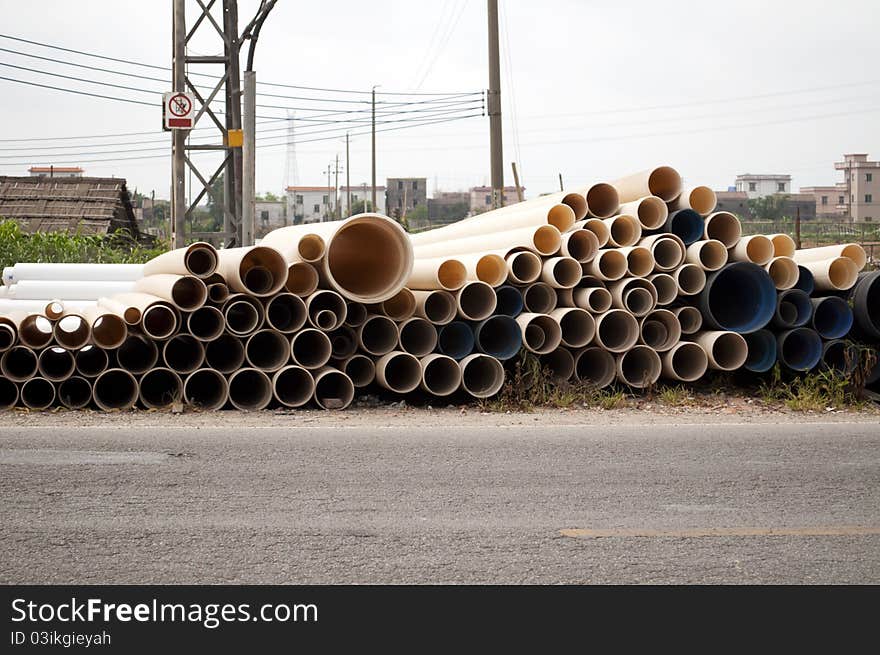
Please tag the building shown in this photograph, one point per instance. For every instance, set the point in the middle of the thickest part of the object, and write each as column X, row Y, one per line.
column 830, row 201
column 88, row 205
column 403, row 194
column 861, row 179
column 55, row 171
column 361, row 194
column 735, row 202
column 758, row 186
column 481, row 197
column 312, row 204
column 269, row 215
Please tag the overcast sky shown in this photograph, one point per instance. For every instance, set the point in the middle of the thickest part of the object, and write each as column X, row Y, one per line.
column 598, row 88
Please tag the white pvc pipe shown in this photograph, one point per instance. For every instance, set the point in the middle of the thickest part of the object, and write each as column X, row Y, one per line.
column 429, row 273
column 594, row 299
column 701, row 199
column 639, row 260
column 74, row 272
column 837, row 274
column 663, row 181
column 198, row 259
column 399, row 307
column 476, row 301
column 437, row 306
column 723, row 226
column 595, row 366
column 690, row 318
column 608, row 264
column 783, row 245
column 710, row 254
column 333, row 389
column 690, row 279
column 623, row 230
column 616, row 330
column 666, row 286
column 580, row 244
column 185, row 292
column 727, row 351
column 539, row 298
column 560, row 363
column 293, row 386
column 685, row 361
column 852, row 251
column 541, row 333
column 523, row 267
column 51, row 289
column 8, row 305
column 756, row 248
column 302, row 279
column 544, row 240
column 784, row 272
column 598, row 227
column 660, row 330
column 206, row 389
column 258, row 270
column 399, row 372
column 668, row 250
column 561, row 272
column 624, row 295
column 650, row 211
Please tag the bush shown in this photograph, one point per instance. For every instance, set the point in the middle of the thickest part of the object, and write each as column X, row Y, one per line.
column 61, row 247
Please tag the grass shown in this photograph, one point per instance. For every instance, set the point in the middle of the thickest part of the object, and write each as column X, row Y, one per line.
column 60, row 247
column 674, row 396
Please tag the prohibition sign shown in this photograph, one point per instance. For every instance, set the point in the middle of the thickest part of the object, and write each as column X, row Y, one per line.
column 180, row 105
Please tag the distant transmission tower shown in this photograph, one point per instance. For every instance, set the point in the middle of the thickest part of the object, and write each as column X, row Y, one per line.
column 291, row 171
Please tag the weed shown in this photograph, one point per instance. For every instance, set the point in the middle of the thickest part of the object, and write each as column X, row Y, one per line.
column 674, row 396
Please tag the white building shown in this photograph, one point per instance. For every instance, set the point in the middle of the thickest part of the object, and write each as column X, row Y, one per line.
column 55, row 171
column 758, row 186
column 269, row 215
column 313, row 204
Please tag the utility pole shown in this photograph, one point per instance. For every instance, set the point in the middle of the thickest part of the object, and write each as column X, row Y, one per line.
column 519, row 193
column 561, row 187
column 232, row 221
column 374, row 148
column 797, row 229
column 493, row 105
column 336, row 212
column 178, row 137
column 329, row 205
column 347, row 179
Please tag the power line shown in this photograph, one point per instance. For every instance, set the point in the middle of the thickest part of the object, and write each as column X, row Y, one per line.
column 442, row 44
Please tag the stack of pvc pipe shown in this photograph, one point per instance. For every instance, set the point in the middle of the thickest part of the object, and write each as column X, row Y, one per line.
column 627, row 282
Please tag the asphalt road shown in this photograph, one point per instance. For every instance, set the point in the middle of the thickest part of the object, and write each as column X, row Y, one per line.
column 728, row 503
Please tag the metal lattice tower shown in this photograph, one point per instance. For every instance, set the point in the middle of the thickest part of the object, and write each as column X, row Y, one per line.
column 291, row 167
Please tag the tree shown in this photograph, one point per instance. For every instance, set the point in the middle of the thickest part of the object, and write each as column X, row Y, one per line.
column 770, row 208
column 268, row 196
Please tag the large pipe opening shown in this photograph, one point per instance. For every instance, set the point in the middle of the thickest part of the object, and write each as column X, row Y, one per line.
column 452, row 274
column 686, row 224
column 293, row 386
column 35, row 331
column 595, row 366
column 740, row 297
column 639, row 261
column 183, row 353
column 509, row 301
column 206, row 323
column 19, row 363
column 539, row 298
column 668, row 252
column 160, row 387
column 343, row 342
column 399, row 372
column 690, row 319
column 799, row 349
column 189, row 293
column 159, row 321
column 727, row 351
column 602, row 200
column 685, row 361
column 491, row 269
column 225, row 354
column 661, row 330
column 75, row 392
column 665, row 183
column 608, row 265
column 456, row 340
column 437, row 306
column 378, row 335
column 560, row 364
column 333, row 389
column 762, row 351
column 418, row 336
column 8, row 394
column 477, row 301
column 581, row 245
column 624, row 230
column 267, row 350
column 109, row 331
column 115, row 389
column 91, row 361
column 302, row 279
column 702, row 200
column 793, row 309
column 360, row 369
column 244, row 315
column 72, row 332
column 8, row 336
column 650, row 211
column 481, row 376
column 561, row 272
column 259, row 270
column 56, row 364
column 206, row 389
column 37, row 394
column 250, row 390
column 667, row 289
column 690, row 279
column 594, row 299
column 218, row 292
column 286, row 313
column 498, row 336
column 639, row 367
column 578, row 327
column 541, row 333
column 326, row 310
column 523, row 267
column 400, row 306
column 546, row 240
column 709, row 255
column 137, row 354
column 616, row 330
column 311, row 348
column 441, row 375
column 355, row 314
column 757, row 249
column 839, row 356
column 598, row 227
column 201, row 260
column 311, row 248
column 724, row 227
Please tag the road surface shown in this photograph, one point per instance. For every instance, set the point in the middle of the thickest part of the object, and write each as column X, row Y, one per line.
column 476, row 500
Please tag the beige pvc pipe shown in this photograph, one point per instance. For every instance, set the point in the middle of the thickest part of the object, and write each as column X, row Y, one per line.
column 429, row 273
column 160, row 387
column 243, row 314
column 581, row 244
column 205, row 324
column 267, row 350
column 625, row 295
column 608, row 265
column 482, row 376
column 639, row 260
column 206, row 389
column 483, row 227
column 597, row 227
column 441, row 375
column 37, row 394
column 837, row 274
column 757, row 249
column 577, row 326
column 8, row 337
column 18, row 364
column 311, row 348
column 663, row 182
column 690, row 279
column 185, row 292
column 130, row 314
column 595, row 366
column 378, row 335
column 851, row 251
column 723, row 226
column 650, row 211
column 115, row 389
column 660, row 330
column 399, row 307
column 727, row 351
column 326, row 309
column 686, row 361
column 666, row 286
column 56, row 364
column 34, row 330
column 639, row 367
column 476, row 301
column 417, row 336
column 603, row 200
column 197, row 259
column 258, row 270
column 399, row 372
column 623, row 230
column 72, row 331
column 437, row 306
column 9, row 394
column 710, row 255
column 360, row 368
column 541, row 333
column 560, row 363
column 225, row 354
column 490, row 268
column 287, row 313
column 302, row 279
column 594, row 299
column 74, row 393
column 690, row 319
column 561, row 272
column 218, row 292
column 544, row 240
column 54, row 310
column 701, row 199
column 250, row 390
column 783, row 245
column 183, row 353
column 356, row 314
column 616, row 330
column 333, row 389
column 668, row 250
column 539, row 298
column 523, row 267
column 293, row 386
column 784, row 272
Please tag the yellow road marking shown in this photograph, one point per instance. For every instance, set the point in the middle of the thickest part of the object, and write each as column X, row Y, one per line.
column 817, row 531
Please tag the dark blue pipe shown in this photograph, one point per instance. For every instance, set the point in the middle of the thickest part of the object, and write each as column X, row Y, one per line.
column 456, row 340
column 832, row 317
column 762, row 351
column 740, row 297
column 510, row 301
column 799, row 349
column 805, row 281
column 793, row 309
column 865, row 296
column 499, row 336
column 685, row 224
column 839, row 355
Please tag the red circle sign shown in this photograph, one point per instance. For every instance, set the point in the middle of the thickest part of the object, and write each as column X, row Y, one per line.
column 180, row 105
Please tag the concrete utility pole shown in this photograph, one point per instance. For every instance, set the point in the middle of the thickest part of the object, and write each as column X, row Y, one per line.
column 374, row 148
column 336, row 212
column 249, row 161
column 347, row 179
column 493, row 105
column 329, row 204
column 178, row 137
column 232, row 220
